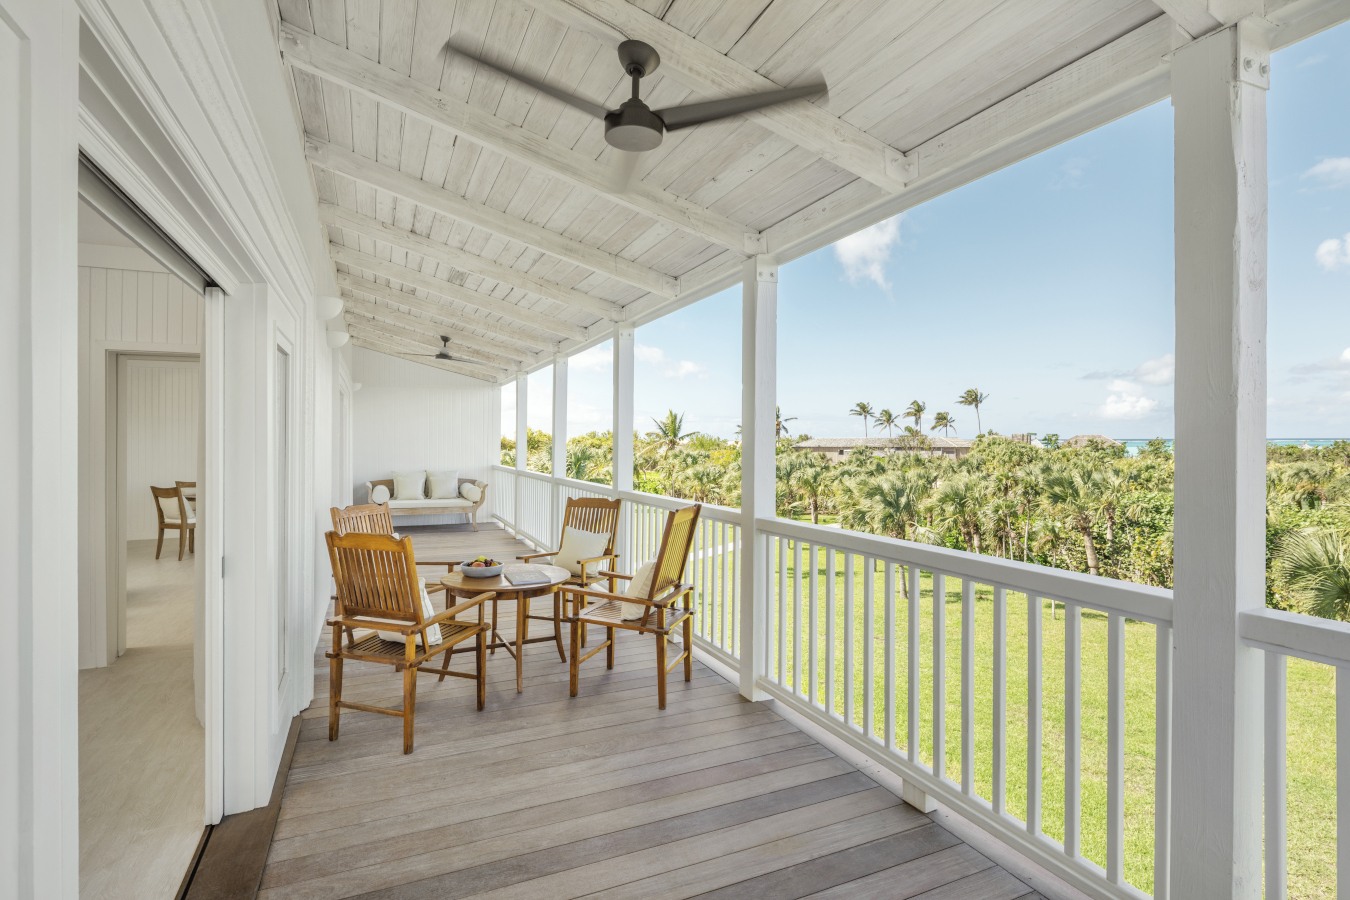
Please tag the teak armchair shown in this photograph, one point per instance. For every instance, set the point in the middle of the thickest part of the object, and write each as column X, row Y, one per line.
column 174, row 516
column 660, row 614
column 377, row 588
column 375, row 518
column 594, row 514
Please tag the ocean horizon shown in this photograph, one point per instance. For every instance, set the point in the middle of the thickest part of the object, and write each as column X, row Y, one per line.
column 1134, row 445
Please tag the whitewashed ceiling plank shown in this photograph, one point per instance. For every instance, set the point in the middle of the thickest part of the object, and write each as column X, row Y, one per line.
column 577, row 52
column 337, row 109
column 394, row 350
column 501, row 45
column 432, row 26
column 837, row 25
column 363, row 28
column 330, row 20
column 309, row 98
column 423, row 333
column 470, row 27
column 774, row 27
column 729, row 23
column 397, row 19
column 538, row 47
column 296, row 12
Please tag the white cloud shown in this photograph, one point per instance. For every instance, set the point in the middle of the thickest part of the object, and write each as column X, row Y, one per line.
column 1345, row 356
column 1071, row 173
column 657, row 359
column 597, row 359
column 1309, row 62
column 1331, row 172
column 1126, row 401
column 1158, row 371
column 864, row 255
column 1334, row 253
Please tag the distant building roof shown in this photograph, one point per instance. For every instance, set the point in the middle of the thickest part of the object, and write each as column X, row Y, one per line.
column 881, row 443
column 1083, row 440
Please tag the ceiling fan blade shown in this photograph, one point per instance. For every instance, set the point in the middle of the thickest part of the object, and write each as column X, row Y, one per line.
column 690, row 114
column 584, row 105
column 622, row 170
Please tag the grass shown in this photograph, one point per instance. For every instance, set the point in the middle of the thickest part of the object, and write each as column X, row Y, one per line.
column 1311, row 709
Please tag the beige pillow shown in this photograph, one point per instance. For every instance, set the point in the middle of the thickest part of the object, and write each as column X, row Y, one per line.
column 410, row 485
column 379, row 494
column 578, row 545
column 442, row 485
column 432, row 634
column 471, row 492
column 640, row 586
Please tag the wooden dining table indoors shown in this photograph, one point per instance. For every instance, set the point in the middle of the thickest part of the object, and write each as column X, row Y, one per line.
column 457, row 584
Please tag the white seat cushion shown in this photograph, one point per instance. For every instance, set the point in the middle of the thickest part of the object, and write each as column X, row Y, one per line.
column 640, row 586
column 443, row 485
column 471, row 492
column 578, row 545
column 395, row 505
column 410, row 485
column 432, row 634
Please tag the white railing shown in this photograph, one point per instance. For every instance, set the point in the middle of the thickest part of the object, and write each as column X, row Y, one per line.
column 900, row 648
column 1313, row 644
column 1044, row 661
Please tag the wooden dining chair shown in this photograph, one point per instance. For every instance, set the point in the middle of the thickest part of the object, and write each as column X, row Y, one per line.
column 665, row 603
column 173, row 515
column 378, row 590
column 591, row 514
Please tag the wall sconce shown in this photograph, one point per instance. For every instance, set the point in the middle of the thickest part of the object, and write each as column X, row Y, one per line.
column 328, row 307
column 337, row 339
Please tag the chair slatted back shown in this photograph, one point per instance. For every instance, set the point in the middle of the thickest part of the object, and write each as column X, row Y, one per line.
column 594, row 514
column 365, row 518
column 165, row 493
column 674, row 552
column 376, row 576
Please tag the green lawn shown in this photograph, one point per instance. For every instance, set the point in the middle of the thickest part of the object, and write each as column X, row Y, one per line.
column 1311, row 712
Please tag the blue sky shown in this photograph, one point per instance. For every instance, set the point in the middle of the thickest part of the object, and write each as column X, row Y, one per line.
column 1048, row 285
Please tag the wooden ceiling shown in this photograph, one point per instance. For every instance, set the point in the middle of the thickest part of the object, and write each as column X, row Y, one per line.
column 458, row 202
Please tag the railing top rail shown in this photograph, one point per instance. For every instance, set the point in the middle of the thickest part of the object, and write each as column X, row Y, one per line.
column 711, row 511
column 1136, row 601
column 1291, row 634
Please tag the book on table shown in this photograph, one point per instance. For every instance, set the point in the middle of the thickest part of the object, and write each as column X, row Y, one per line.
column 522, row 576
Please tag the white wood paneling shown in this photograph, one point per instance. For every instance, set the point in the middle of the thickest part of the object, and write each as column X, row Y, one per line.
column 407, row 416
column 160, row 406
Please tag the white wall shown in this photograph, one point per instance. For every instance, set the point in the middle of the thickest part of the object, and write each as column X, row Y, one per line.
column 141, row 310
column 160, row 410
column 409, row 416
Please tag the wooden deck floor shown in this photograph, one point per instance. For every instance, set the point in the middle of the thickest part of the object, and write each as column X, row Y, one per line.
column 543, row 796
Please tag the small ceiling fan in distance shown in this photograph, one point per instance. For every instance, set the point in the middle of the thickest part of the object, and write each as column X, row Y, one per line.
column 635, row 127
column 444, row 353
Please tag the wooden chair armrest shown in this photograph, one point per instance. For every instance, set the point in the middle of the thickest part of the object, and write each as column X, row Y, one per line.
column 449, row 565
column 598, row 559
column 592, row 592
column 605, row 573
column 529, row 556
column 460, row 607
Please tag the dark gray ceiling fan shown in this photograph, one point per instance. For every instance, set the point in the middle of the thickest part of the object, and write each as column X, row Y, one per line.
column 444, row 353
column 635, row 127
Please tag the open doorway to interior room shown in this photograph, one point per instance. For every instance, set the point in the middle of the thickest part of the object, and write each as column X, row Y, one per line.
column 142, row 744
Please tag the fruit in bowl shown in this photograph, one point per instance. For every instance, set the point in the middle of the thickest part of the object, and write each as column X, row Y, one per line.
column 481, row 567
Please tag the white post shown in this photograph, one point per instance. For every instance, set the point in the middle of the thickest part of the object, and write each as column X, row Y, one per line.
column 623, row 439
column 522, row 442
column 559, row 434
column 1219, row 95
column 759, row 390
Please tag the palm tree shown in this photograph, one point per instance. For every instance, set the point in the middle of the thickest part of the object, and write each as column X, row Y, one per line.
column 888, row 420
column 1076, row 495
column 959, row 503
column 944, row 420
column 669, row 433
column 915, row 411
column 1314, row 564
column 973, row 397
column 780, row 423
column 864, row 411
column 813, row 482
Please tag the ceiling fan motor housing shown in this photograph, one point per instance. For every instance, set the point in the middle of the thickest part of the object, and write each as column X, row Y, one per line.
column 633, row 126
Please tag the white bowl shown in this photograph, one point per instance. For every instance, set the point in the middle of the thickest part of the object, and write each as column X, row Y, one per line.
column 480, row 571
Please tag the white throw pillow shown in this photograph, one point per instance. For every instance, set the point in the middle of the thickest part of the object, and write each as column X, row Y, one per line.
column 410, row 485
column 640, row 586
column 442, row 485
column 433, row 634
column 379, row 494
column 578, row 545
column 471, row 492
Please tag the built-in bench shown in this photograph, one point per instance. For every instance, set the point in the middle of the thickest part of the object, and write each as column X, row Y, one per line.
column 430, row 506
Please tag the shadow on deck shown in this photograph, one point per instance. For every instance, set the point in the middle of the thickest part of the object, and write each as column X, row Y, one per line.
column 541, row 795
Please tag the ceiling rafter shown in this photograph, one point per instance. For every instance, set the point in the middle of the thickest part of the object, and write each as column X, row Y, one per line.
column 345, row 162
column 498, row 334
column 454, row 292
column 1192, row 15
column 416, row 347
column 418, row 333
column 497, row 353
column 389, row 349
column 698, row 66
column 311, row 53
column 469, row 263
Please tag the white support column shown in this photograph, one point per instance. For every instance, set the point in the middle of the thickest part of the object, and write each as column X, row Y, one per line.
column 759, row 396
column 559, row 467
column 1219, row 95
column 522, row 443
column 623, row 408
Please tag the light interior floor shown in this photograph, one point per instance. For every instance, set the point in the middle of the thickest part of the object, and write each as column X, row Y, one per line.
column 604, row 795
column 142, row 750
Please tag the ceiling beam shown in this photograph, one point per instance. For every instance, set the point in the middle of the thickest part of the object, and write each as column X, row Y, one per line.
column 1192, row 15
column 480, row 215
column 388, row 349
column 464, row 261
column 415, row 347
column 505, row 338
column 473, row 299
column 311, row 53
column 459, row 345
column 700, row 67
column 497, row 353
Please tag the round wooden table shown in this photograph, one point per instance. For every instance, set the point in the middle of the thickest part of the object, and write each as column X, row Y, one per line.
column 459, row 585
